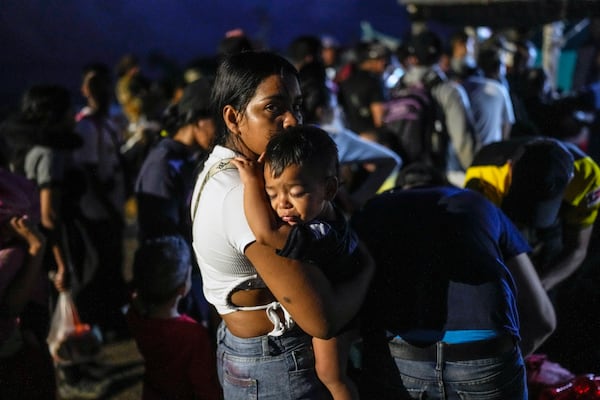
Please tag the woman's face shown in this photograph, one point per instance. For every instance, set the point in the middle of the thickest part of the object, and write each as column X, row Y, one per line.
column 275, row 106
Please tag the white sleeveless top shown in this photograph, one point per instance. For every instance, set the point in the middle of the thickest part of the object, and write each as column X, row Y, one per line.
column 220, row 234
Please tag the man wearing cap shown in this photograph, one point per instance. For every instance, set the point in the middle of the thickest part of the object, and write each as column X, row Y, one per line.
column 444, row 318
column 423, row 53
column 551, row 190
column 362, row 94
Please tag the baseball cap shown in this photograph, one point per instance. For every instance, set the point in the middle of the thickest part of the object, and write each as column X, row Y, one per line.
column 540, row 175
column 371, row 51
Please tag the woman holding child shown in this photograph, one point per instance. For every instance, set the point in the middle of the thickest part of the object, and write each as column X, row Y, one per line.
column 270, row 305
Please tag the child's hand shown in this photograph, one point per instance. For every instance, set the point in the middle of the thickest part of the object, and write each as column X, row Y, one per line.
column 60, row 280
column 251, row 172
column 29, row 232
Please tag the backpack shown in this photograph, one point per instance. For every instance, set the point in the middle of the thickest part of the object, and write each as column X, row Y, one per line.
column 416, row 124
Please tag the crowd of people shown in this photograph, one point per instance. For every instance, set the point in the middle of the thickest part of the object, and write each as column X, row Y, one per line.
column 291, row 241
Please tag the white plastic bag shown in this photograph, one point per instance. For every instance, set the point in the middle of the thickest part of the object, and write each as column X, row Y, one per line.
column 69, row 339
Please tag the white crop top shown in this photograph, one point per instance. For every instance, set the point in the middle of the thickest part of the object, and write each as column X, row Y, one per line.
column 220, row 234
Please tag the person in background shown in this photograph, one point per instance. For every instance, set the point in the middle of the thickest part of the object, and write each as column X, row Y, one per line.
column 455, row 303
column 178, row 355
column 365, row 165
column 102, row 203
column 462, row 55
column 493, row 115
column 26, row 369
column 255, row 95
column 305, row 50
column 165, row 182
column 128, row 70
column 40, row 141
column 299, row 220
column 362, row 94
column 235, row 41
column 551, row 190
column 330, row 54
column 422, row 54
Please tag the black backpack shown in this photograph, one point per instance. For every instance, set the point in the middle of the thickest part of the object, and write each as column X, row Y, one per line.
column 416, row 123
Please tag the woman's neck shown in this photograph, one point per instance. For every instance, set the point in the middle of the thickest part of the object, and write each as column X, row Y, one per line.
column 234, row 143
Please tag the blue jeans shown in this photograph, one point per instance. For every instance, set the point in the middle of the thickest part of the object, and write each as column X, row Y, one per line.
column 499, row 378
column 385, row 377
column 265, row 367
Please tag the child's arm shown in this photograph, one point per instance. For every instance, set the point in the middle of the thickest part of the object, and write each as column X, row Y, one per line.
column 261, row 218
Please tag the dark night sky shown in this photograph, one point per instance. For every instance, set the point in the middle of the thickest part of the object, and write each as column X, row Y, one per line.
column 48, row 41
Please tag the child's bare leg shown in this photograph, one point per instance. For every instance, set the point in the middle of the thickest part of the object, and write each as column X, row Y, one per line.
column 331, row 358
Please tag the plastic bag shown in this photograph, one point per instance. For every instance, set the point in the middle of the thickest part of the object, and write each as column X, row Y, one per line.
column 70, row 340
column 582, row 387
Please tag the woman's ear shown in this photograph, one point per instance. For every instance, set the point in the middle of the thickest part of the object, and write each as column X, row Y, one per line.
column 231, row 118
column 331, row 187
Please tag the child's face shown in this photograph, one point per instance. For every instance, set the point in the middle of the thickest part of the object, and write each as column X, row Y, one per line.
column 297, row 195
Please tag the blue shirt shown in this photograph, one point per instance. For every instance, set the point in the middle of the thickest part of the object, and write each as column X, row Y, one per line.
column 440, row 255
column 163, row 189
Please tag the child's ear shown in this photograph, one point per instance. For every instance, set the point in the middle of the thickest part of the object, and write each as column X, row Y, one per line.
column 331, row 187
column 230, row 116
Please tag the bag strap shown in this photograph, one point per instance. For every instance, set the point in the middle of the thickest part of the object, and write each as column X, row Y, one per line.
column 222, row 165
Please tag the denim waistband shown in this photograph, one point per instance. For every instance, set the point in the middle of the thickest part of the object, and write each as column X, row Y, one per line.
column 476, row 350
column 262, row 345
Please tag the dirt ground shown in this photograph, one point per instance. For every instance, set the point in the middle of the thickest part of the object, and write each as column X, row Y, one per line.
column 122, row 358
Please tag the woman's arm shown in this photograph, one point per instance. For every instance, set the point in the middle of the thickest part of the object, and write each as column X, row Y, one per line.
column 260, row 215
column 319, row 308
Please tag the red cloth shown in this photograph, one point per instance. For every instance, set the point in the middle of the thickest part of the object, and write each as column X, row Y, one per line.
column 179, row 358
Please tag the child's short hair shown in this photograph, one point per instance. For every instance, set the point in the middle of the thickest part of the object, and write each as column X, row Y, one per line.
column 161, row 265
column 305, row 146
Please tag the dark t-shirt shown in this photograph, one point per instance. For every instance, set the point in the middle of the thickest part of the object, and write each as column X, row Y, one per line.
column 328, row 244
column 356, row 94
column 440, row 256
column 163, row 189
